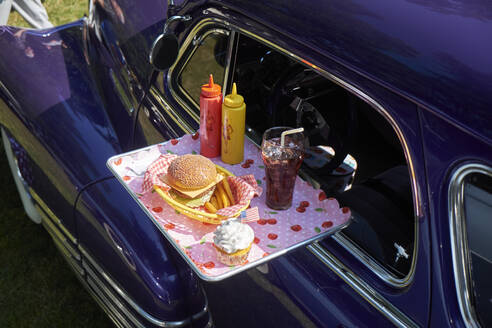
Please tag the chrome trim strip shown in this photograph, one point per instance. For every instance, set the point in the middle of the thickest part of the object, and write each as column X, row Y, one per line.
column 170, row 110
column 350, row 246
column 112, row 316
column 52, row 215
column 105, row 303
column 100, row 287
column 52, row 229
column 397, row 317
column 459, row 242
column 72, row 263
column 91, row 12
column 10, row 97
column 227, row 65
column 99, row 301
column 133, row 304
column 68, row 258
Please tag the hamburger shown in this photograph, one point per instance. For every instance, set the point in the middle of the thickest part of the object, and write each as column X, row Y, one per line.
column 192, row 179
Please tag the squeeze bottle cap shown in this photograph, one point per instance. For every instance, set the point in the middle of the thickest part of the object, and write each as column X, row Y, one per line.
column 211, row 89
column 233, row 99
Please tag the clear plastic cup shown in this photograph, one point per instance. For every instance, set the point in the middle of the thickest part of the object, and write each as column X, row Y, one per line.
column 281, row 166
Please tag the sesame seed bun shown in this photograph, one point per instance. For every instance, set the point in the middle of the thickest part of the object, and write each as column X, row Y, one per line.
column 190, row 172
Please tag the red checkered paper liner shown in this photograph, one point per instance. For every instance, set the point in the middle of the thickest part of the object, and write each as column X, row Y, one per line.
column 243, row 188
column 155, row 171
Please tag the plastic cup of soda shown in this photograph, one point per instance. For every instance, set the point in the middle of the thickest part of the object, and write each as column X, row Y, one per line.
column 282, row 162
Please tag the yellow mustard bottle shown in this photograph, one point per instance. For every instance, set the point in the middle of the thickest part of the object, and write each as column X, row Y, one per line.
column 233, row 122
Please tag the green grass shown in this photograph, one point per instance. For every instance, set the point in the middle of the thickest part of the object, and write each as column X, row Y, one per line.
column 59, row 12
column 37, row 287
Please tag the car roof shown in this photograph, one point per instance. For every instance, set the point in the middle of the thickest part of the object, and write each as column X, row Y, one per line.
column 435, row 53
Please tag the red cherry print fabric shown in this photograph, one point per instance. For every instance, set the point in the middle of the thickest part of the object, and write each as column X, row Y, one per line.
column 301, row 209
column 327, row 224
column 296, row 228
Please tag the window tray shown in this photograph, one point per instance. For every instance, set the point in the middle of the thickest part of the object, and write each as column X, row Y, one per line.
column 276, row 233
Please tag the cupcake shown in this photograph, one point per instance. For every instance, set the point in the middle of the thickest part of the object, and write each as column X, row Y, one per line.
column 232, row 241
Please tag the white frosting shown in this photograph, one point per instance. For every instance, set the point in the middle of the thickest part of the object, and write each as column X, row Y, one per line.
column 233, row 236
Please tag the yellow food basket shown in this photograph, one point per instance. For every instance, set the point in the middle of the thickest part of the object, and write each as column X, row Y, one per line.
column 197, row 214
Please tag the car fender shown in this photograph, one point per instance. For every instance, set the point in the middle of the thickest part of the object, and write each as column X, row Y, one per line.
column 51, row 107
column 50, row 104
column 123, row 249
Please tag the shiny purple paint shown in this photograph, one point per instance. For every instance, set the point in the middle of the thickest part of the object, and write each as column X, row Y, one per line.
column 437, row 53
column 426, row 62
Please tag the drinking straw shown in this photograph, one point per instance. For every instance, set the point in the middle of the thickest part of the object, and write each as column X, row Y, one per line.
column 282, row 136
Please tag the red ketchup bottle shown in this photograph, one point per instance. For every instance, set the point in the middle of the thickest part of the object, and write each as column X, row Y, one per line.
column 210, row 118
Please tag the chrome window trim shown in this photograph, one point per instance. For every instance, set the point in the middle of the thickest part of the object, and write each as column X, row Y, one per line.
column 391, row 312
column 133, row 304
column 196, row 42
column 228, row 60
column 173, row 114
column 346, row 243
column 372, row 264
column 182, row 51
column 459, row 242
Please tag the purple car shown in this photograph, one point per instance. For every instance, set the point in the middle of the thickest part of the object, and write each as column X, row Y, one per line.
column 395, row 97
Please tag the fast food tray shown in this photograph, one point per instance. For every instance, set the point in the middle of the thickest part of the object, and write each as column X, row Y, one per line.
column 276, row 233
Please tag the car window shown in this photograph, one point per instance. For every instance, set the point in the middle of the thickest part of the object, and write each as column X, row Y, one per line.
column 373, row 180
column 478, row 218
column 208, row 58
column 372, row 177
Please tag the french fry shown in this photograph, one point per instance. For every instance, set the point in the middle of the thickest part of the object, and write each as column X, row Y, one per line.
column 213, row 200
column 228, row 191
column 211, row 208
column 223, row 196
column 218, row 198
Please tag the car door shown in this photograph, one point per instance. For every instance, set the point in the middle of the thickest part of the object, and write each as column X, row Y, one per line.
column 368, row 276
column 129, row 267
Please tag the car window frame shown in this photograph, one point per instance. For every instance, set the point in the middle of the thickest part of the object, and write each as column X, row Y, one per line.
column 361, row 255
column 186, row 51
column 459, row 241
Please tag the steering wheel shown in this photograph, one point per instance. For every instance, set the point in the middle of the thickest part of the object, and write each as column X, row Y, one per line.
column 288, row 91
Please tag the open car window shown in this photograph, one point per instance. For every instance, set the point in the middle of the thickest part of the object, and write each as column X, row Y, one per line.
column 353, row 154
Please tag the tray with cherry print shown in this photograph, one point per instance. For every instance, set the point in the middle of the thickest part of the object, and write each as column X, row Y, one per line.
column 312, row 216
